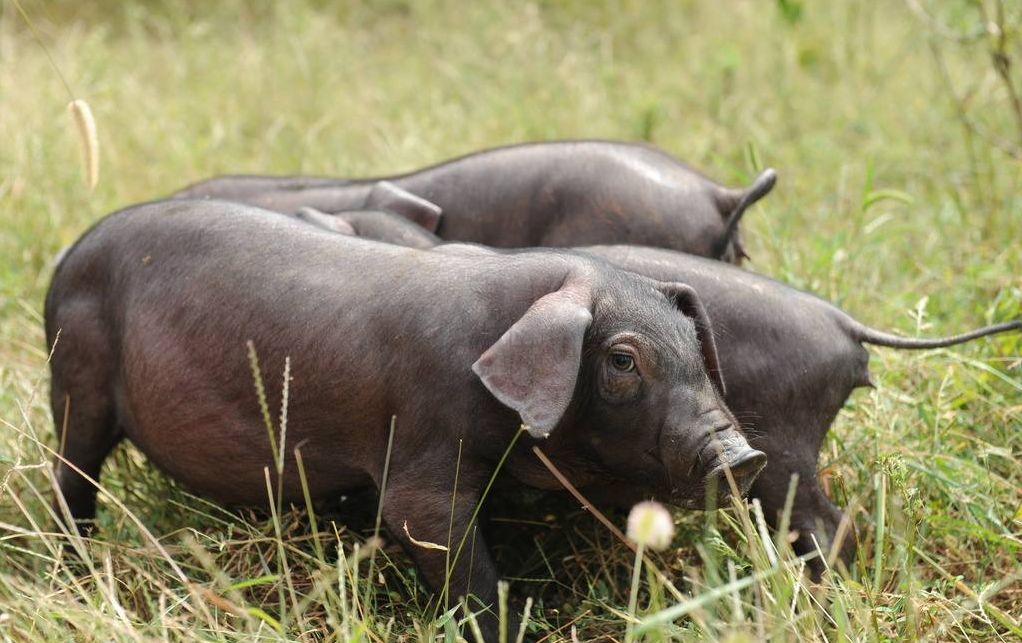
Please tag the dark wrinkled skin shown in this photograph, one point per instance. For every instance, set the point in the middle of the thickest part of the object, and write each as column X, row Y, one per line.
column 555, row 194
column 790, row 360
column 154, row 304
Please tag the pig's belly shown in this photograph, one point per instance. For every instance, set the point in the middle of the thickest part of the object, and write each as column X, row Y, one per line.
column 217, row 451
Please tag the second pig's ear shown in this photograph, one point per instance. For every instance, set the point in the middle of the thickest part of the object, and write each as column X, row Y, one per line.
column 534, row 366
column 387, row 196
column 334, row 223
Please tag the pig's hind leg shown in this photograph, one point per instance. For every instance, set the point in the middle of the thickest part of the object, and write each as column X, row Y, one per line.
column 82, row 401
column 793, row 446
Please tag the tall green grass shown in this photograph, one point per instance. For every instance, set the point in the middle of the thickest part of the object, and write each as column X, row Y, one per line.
column 887, row 204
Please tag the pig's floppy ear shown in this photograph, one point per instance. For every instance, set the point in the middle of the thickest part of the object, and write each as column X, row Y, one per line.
column 389, row 197
column 326, row 221
column 534, row 366
column 688, row 302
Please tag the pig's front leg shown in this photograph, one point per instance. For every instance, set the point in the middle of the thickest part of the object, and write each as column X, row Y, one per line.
column 422, row 501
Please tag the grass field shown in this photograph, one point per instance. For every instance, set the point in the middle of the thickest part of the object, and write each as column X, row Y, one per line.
column 888, row 204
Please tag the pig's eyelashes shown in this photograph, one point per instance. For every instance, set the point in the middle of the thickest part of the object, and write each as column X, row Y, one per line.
column 622, row 362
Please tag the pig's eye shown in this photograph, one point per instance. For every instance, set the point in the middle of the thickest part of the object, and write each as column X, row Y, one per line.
column 622, row 362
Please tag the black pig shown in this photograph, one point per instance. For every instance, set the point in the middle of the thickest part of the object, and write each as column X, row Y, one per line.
column 615, row 373
column 561, row 193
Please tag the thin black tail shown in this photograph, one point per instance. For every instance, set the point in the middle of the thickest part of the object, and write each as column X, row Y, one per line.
column 880, row 338
column 759, row 189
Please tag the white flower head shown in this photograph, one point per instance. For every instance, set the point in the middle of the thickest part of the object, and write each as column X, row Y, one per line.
column 651, row 525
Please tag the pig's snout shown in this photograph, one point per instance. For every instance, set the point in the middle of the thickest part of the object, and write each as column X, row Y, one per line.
column 702, row 463
column 744, row 464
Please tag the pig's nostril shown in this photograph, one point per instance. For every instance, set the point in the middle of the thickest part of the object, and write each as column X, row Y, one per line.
column 744, row 469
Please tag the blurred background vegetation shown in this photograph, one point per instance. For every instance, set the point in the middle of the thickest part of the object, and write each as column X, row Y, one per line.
column 896, row 132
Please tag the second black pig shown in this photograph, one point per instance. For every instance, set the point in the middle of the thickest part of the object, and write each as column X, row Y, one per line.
column 558, row 193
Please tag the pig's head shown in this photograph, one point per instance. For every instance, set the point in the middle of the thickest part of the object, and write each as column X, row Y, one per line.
column 619, row 374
